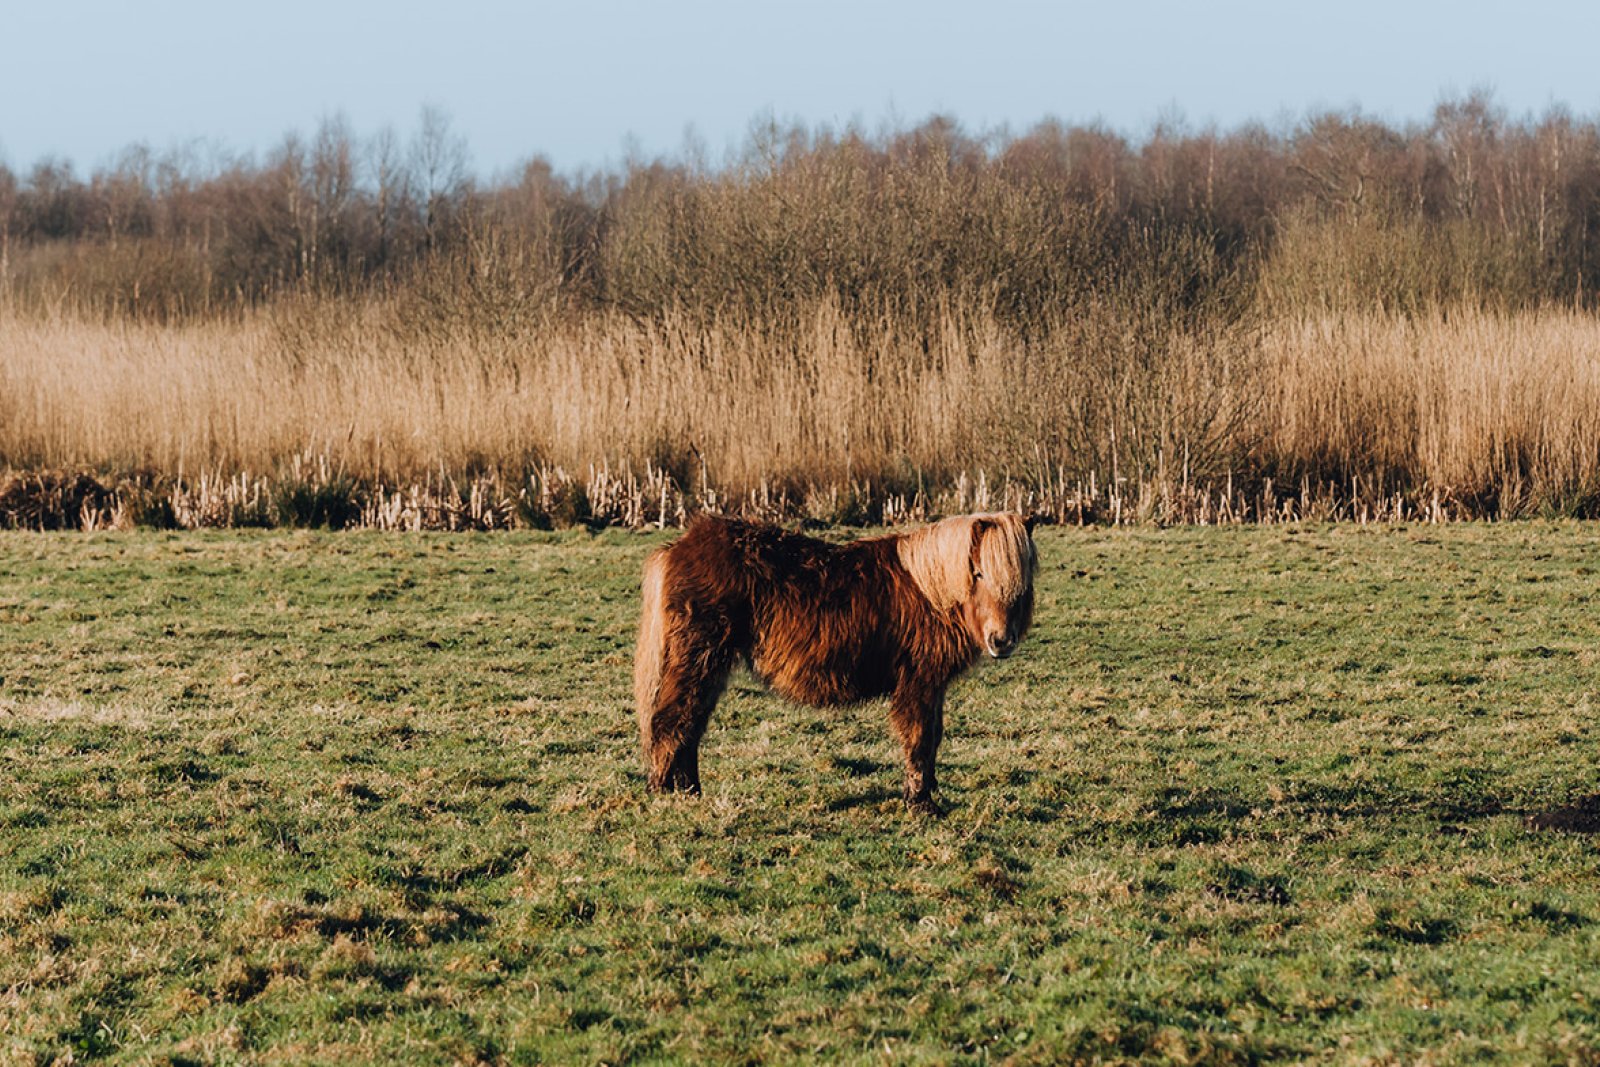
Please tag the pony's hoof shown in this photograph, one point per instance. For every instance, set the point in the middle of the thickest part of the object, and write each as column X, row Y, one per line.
column 925, row 806
column 674, row 787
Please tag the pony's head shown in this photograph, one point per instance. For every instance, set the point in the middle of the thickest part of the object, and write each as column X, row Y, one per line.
column 981, row 566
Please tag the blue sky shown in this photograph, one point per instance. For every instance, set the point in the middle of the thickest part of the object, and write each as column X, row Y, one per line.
column 578, row 82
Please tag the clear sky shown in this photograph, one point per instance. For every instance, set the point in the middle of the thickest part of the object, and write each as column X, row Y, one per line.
column 581, row 80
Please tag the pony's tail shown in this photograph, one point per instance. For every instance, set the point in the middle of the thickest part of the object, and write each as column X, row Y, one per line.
column 651, row 651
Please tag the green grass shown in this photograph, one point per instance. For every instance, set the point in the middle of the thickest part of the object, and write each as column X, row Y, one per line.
column 1244, row 794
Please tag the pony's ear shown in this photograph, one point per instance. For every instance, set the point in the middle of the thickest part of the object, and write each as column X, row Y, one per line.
column 979, row 528
column 1029, row 522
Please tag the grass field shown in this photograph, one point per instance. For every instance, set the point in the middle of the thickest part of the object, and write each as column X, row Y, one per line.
column 1252, row 793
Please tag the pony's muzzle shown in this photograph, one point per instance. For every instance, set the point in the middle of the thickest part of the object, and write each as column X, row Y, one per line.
column 1000, row 645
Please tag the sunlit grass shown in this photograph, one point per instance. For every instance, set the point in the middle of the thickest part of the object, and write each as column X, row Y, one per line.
column 1243, row 794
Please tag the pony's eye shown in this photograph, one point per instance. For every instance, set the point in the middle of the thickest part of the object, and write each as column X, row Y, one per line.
column 977, row 576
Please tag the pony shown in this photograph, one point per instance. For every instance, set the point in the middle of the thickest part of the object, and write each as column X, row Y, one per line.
column 829, row 625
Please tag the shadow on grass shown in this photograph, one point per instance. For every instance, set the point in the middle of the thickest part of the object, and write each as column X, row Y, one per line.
column 1582, row 816
column 1195, row 816
column 871, row 797
column 856, row 767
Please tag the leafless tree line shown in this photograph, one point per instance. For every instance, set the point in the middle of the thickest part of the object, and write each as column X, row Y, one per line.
column 1473, row 204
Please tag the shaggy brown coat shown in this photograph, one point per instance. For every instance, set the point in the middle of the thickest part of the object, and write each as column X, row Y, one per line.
column 824, row 624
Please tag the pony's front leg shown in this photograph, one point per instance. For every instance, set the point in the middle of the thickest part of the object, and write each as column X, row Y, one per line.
column 918, row 718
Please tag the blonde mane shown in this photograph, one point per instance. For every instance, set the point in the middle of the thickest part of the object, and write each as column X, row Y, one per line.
column 938, row 557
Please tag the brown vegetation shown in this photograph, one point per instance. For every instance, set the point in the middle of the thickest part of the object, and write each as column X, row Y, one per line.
column 1342, row 320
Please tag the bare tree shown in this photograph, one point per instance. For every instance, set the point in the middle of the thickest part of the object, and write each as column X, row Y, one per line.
column 8, row 209
column 123, row 192
column 1468, row 132
column 438, row 167
column 332, row 181
column 389, row 187
column 288, row 163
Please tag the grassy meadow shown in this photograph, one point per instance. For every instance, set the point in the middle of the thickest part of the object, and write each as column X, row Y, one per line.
column 1296, row 792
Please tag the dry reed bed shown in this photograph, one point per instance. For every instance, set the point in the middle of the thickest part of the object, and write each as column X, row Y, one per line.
column 605, row 419
column 1492, row 414
column 730, row 404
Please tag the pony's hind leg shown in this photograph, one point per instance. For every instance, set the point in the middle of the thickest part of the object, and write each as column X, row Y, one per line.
column 676, row 730
column 694, row 670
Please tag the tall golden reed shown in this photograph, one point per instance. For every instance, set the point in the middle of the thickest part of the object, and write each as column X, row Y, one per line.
column 1487, row 412
column 1499, row 411
column 732, row 402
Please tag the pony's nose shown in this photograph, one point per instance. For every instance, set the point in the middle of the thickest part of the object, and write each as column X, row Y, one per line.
column 1000, row 645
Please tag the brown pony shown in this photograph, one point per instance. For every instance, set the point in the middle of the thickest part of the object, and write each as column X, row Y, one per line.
column 827, row 625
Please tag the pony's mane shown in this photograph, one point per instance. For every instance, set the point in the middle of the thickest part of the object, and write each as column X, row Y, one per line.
column 938, row 557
